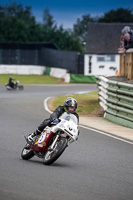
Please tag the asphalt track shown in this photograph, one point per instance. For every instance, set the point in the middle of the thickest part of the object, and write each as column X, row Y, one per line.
column 96, row 167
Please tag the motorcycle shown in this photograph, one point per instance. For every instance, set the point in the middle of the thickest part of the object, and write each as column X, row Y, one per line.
column 53, row 140
column 15, row 86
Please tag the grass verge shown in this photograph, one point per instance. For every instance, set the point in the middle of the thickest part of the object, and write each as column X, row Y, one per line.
column 30, row 79
column 87, row 104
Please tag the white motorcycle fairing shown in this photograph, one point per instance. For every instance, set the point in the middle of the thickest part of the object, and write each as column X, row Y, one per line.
column 69, row 125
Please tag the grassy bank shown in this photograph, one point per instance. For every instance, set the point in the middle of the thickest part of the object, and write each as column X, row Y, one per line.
column 30, row 79
column 87, row 103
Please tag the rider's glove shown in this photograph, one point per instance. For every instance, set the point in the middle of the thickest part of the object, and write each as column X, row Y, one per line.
column 55, row 121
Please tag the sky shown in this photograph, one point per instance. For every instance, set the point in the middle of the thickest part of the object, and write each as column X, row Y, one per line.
column 67, row 12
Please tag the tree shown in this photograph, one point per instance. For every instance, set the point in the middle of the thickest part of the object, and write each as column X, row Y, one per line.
column 64, row 39
column 80, row 28
column 48, row 21
column 119, row 15
column 18, row 25
column 18, row 11
column 67, row 40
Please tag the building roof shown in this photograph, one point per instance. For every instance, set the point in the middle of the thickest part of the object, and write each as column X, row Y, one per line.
column 104, row 38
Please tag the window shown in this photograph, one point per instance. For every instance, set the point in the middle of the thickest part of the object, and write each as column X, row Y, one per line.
column 100, row 59
column 110, row 58
column 106, row 58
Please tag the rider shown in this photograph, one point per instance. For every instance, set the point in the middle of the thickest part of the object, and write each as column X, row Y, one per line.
column 11, row 83
column 70, row 106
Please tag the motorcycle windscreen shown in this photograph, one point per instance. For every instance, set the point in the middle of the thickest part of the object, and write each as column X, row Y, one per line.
column 68, row 117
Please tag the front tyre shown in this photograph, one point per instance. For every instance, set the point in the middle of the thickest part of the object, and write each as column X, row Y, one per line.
column 27, row 153
column 52, row 155
column 21, row 87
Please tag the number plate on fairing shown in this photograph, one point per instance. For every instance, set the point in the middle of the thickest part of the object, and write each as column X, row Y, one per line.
column 42, row 137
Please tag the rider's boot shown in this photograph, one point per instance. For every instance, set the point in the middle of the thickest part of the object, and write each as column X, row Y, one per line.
column 30, row 138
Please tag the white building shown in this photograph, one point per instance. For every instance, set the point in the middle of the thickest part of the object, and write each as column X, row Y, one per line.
column 106, row 65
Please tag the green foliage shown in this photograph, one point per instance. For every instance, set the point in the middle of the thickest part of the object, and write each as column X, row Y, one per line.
column 48, row 19
column 80, row 28
column 17, row 11
column 119, row 15
column 18, row 25
column 66, row 40
column 16, row 30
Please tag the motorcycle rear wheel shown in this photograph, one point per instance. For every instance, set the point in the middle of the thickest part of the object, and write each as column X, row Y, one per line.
column 27, row 153
column 52, row 155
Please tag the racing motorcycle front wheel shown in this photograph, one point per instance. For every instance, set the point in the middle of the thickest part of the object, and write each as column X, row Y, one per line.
column 53, row 154
column 21, row 87
column 27, row 153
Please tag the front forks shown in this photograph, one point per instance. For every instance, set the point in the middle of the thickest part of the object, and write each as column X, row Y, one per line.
column 52, row 146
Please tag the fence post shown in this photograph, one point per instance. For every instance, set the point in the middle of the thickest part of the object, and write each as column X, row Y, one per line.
column 130, row 64
column 122, row 64
column 126, row 64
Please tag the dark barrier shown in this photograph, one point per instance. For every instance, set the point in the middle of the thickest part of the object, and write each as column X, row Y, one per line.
column 44, row 54
column 61, row 59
